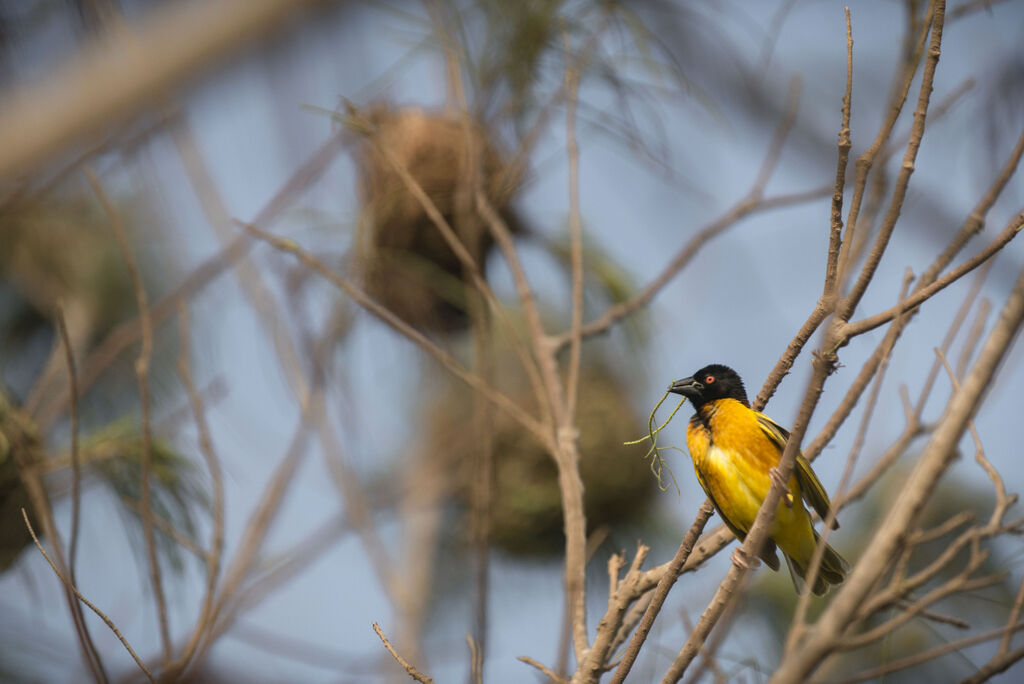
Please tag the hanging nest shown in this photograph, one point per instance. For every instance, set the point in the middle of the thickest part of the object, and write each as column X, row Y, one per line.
column 404, row 260
column 59, row 250
column 525, row 505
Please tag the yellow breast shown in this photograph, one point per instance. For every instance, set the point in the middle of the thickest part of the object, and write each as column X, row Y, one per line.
column 732, row 456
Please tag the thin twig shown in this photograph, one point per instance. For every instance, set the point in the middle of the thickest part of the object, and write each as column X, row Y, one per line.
column 543, row 668
column 1018, row 604
column 835, row 240
column 81, row 627
column 661, row 593
column 866, row 160
column 572, row 79
column 753, row 202
column 215, row 554
column 917, row 298
column 413, row 672
column 129, row 332
column 142, row 372
column 71, row 587
column 849, row 303
column 932, row 653
column 446, row 360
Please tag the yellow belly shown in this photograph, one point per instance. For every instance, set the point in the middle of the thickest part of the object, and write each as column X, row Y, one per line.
column 733, row 467
column 738, row 484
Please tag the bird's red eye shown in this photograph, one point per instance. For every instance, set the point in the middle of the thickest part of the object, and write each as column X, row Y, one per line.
column 709, row 380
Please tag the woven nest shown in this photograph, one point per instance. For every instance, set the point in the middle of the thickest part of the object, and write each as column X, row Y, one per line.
column 406, row 264
column 525, row 507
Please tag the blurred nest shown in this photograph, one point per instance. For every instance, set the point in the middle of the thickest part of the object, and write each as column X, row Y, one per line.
column 62, row 250
column 59, row 250
column 405, row 262
column 525, row 505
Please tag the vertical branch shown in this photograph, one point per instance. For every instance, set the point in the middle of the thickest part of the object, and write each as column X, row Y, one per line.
column 572, row 82
column 76, row 463
column 835, row 239
column 142, row 372
column 826, row 302
column 214, row 555
column 885, row 349
column 661, row 593
column 564, row 445
column 483, row 486
column 92, row 656
column 849, row 303
column 1018, row 604
column 866, row 160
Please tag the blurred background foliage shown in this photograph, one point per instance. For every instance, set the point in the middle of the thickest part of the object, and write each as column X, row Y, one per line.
column 656, row 76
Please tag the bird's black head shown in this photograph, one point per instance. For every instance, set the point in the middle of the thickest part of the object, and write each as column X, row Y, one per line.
column 709, row 383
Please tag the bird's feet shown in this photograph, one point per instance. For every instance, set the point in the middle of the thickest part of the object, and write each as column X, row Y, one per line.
column 741, row 560
column 776, row 478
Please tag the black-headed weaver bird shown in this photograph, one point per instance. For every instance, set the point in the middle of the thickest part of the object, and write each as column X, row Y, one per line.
column 735, row 451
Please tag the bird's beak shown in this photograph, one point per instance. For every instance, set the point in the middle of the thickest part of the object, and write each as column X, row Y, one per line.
column 688, row 387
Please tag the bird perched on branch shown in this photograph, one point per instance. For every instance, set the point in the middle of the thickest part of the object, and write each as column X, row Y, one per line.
column 735, row 451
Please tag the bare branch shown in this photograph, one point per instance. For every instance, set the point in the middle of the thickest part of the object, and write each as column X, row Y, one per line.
column 471, row 379
column 129, row 332
column 215, row 554
column 82, row 629
column 67, row 583
column 661, row 593
column 413, row 672
column 572, row 80
column 921, row 295
column 753, row 202
column 126, row 73
column 142, row 371
column 934, row 460
column 932, row 653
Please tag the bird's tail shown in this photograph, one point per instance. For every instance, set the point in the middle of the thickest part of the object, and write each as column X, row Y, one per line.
column 832, row 570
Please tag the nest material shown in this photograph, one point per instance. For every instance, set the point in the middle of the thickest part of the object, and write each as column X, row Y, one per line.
column 19, row 448
column 526, row 508
column 406, row 263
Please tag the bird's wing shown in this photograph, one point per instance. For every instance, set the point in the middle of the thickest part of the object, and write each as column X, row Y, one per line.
column 810, row 486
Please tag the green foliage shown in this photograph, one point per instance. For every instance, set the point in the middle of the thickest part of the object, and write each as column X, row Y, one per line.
column 115, row 453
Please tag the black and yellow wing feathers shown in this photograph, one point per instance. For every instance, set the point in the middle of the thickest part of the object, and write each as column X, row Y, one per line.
column 810, row 486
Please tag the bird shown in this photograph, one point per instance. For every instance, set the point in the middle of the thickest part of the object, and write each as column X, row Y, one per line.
column 735, row 452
